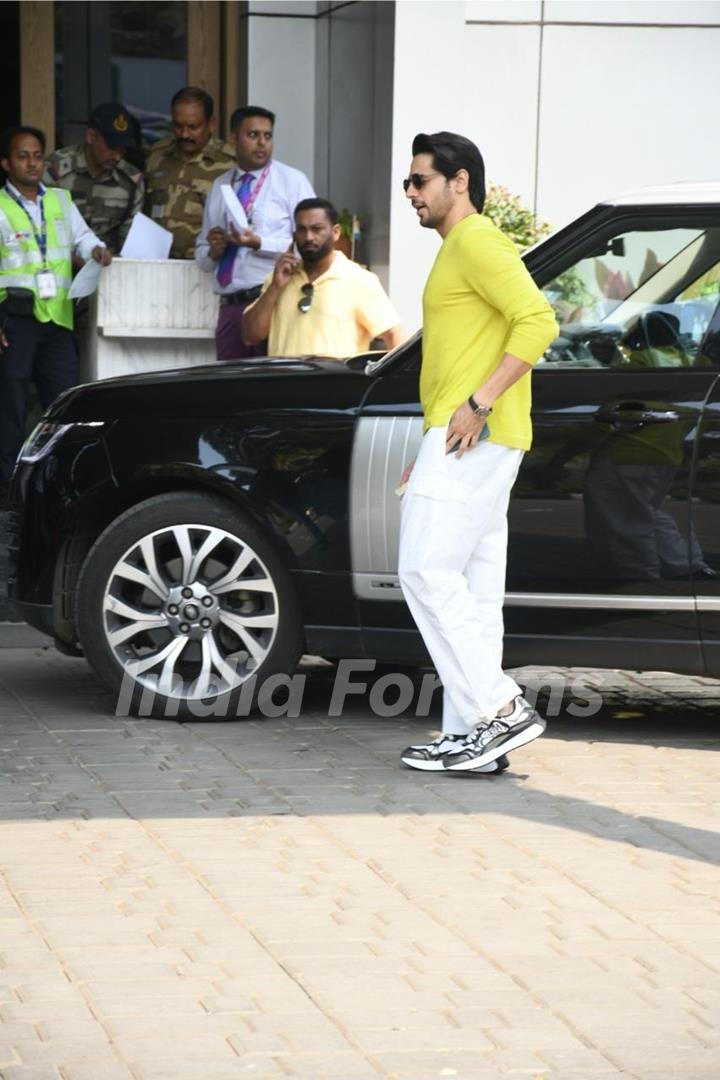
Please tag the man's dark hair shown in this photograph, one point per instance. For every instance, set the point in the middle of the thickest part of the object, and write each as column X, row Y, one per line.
column 250, row 110
column 450, row 153
column 7, row 136
column 193, row 95
column 318, row 204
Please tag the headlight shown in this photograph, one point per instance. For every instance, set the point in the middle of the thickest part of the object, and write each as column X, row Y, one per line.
column 46, row 435
column 41, row 441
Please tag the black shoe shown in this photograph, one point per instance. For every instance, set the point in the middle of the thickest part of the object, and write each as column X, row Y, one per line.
column 706, row 573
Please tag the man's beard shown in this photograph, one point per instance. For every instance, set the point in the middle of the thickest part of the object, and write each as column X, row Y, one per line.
column 434, row 218
column 310, row 255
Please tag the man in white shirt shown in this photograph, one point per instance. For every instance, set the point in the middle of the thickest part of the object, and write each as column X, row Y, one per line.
column 40, row 231
column 241, row 258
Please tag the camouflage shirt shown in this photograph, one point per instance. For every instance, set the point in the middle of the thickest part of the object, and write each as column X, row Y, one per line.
column 178, row 188
column 108, row 202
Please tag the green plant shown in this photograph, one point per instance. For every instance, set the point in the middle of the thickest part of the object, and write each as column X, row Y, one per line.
column 570, row 287
column 505, row 210
column 345, row 221
column 512, row 218
column 569, row 295
column 350, row 224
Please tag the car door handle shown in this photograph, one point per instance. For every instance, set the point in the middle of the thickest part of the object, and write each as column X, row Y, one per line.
column 634, row 414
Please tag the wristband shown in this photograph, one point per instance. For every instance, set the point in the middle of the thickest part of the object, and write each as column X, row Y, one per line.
column 479, row 410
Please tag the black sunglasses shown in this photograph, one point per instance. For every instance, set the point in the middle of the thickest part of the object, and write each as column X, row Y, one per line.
column 305, row 301
column 417, row 180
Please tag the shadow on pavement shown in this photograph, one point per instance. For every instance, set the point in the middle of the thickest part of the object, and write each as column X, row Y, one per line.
column 629, row 708
column 65, row 755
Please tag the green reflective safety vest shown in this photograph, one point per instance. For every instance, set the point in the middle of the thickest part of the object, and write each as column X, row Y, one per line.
column 21, row 258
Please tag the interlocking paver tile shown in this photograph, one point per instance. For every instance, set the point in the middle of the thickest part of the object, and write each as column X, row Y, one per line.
column 279, row 899
column 30, row 1072
column 88, row 1070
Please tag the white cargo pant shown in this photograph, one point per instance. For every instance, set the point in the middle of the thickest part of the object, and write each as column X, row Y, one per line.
column 453, row 551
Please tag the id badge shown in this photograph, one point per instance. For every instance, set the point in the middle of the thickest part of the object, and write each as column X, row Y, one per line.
column 47, row 286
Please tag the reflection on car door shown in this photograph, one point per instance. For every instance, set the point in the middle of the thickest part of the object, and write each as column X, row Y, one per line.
column 705, row 512
column 602, row 546
column 599, row 540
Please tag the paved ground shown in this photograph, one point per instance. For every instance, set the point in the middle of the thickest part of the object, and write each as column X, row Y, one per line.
column 278, row 899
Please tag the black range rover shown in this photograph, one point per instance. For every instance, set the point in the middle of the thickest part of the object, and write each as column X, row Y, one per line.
column 189, row 530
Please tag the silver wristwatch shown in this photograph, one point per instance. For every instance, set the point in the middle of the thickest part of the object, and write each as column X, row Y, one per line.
column 479, row 410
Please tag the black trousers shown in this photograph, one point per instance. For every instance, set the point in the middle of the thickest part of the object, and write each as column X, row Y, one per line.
column 42, row 353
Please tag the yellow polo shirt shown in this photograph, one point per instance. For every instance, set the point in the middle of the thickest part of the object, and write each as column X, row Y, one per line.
column 349, row 308
column 480, row 303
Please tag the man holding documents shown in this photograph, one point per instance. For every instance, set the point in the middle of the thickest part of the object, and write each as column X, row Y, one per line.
column 40, row 231
column 247, row 225
column 180, row 170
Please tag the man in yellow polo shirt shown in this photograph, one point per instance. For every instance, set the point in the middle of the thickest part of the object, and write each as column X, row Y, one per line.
column 321, row 304
column 485, row 323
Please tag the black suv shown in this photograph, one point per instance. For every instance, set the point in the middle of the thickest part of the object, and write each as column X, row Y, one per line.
column 192, row 529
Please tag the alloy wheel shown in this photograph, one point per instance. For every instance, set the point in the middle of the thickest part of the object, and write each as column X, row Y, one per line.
column 190, row 611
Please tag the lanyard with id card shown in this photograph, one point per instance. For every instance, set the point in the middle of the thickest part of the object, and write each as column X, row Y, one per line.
column 45, row 278
column 46, row 285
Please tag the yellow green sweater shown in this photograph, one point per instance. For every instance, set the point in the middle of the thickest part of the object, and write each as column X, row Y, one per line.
column 480, row 303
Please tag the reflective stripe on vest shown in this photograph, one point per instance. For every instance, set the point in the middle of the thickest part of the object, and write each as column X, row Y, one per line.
column 21, row 259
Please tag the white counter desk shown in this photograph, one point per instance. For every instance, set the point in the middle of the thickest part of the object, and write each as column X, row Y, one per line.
column 149, row 316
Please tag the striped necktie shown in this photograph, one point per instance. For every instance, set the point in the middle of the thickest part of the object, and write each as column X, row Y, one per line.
column 225, row 268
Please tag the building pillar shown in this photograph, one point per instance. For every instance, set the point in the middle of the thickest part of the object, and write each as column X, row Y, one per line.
column 234, row 67
column 204, row 49
column 37, row 67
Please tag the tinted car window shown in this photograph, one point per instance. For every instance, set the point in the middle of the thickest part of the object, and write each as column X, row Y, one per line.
column 643, row 298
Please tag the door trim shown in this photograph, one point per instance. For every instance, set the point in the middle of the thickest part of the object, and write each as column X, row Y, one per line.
column 370, row 586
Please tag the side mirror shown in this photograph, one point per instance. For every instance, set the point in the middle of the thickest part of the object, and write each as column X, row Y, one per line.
column 616, row 246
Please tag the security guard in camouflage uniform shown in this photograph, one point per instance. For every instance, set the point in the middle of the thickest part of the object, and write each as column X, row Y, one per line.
column 181, row 170
column 107, row 191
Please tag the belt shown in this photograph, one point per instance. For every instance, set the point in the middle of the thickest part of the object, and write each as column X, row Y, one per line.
column 242, row 296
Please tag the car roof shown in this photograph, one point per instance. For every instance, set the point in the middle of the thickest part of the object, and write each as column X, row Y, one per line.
column 687, row 193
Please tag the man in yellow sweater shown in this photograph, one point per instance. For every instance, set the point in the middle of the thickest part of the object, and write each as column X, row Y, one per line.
column 485, row 323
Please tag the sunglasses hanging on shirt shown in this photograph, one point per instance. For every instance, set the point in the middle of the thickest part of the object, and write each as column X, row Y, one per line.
column 305, row 301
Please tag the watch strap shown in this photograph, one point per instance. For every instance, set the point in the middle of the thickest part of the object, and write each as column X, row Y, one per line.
column 478, row 409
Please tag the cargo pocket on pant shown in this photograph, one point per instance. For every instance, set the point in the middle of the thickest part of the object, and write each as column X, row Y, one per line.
column 442, row 486
column 446, row 490
column 441, row 476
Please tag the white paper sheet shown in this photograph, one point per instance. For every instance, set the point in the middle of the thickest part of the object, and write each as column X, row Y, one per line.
column 86, row 280
column 234, row 207
column 146, row 240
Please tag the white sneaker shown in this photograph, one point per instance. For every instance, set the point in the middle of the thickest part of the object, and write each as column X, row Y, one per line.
column 487, row 744
column 430, row 756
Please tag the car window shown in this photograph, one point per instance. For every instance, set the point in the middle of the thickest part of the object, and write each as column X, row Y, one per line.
column 639, row 299
column 405, row 357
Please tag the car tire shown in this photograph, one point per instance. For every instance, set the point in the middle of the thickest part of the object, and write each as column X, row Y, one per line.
column 184, row 609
